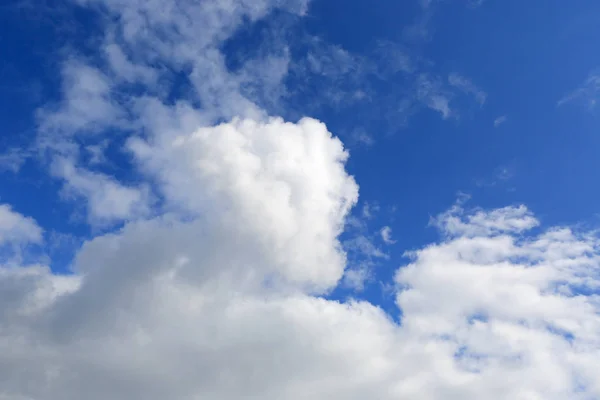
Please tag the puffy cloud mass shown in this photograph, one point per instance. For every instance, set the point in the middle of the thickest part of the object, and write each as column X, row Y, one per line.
column 215, row 283
column 16, row 228
column 216, row 299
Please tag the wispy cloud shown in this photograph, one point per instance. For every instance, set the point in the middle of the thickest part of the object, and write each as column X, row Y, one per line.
column 587, row 93
column 439, row 96
column 501, row 175
column 13, row 159
column 500, row 120
column 386, row 235
column 432, row 93
column 475, row 3
column 465, row 85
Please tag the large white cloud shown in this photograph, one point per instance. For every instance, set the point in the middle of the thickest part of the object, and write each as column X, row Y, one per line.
column 213, row 299
column 213, row 287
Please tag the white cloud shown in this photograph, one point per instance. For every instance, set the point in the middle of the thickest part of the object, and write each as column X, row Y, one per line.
column 466, row 86
column 361, row 137
column 356, row 278
column 87, row 106
column 386, row 235
column 365, row 247
column 369, row 210
column 124, row 68
column 500, row 177
column 152, row 313
column 431, row 93
column 107, row 200
column 513, row 311
column 475, row 3
column 16, row 228
column 218, row 294
column 500, row 120
column 439, row 96
column 152, row 44
column 586, row 93
column 13, row 159
column 508, row 219
column 18, row 235
column 440, row 103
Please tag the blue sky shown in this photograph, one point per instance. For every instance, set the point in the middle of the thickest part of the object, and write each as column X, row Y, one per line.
column 525, row 58
column 138, row 138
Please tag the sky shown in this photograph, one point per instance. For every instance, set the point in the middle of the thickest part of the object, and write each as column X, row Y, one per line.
column 327, row 199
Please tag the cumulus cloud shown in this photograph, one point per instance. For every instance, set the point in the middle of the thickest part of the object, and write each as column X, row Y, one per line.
column 181, row 309
column 519, row 314
column 257, row 175
column 216, row 284
column 507, row 219
column 149, row 52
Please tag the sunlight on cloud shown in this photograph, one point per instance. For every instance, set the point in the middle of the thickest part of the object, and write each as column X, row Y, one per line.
column 167, row 308
column 16, row 228
column 216, row 282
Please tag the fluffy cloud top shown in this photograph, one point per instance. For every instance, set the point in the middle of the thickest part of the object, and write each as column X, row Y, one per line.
column 215, row 283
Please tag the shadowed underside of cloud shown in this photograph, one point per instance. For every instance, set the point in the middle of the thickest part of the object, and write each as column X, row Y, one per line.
column 215, row 284
column 220, row 306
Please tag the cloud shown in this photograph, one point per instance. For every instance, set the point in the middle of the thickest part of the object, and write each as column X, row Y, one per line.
column 13, row 160
column 151, row 57
column 363, row 255
column 587, row 93
column 16, row 228
column 107, row 200
column 512, row 219
column 504, row 172
column 356, row 278
column 18, row 235
column 369, row 210
column 434, row 93
column 365, row 247
column 386, row 235
column 500, row 120
column 500, row 177
column 512, row 309
column 466, row 86
column 87, row 104
column 219, row 289
column 123, row 68
column 152, row 313
column 256, row 175
column 475, row 3
column 361, row 137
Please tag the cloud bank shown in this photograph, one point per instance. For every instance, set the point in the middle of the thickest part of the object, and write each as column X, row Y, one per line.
column 210, row 276
column 224, row 306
